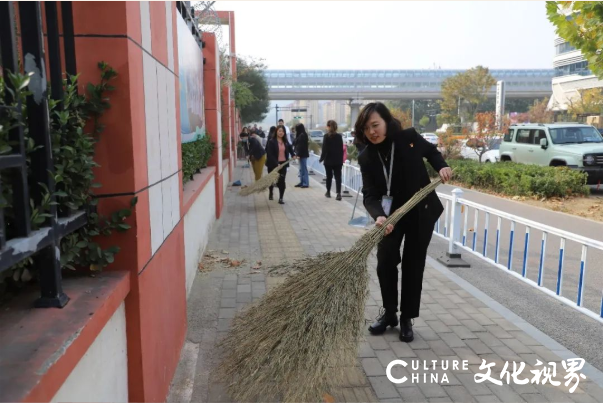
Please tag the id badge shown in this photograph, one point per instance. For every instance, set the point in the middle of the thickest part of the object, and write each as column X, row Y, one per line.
column 386, row 203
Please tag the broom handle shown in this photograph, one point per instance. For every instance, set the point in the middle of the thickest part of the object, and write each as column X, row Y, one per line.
column 375, row 235
column 420, row 195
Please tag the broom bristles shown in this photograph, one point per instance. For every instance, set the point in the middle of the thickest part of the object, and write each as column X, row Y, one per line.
column 295, row 342
column 264, row 182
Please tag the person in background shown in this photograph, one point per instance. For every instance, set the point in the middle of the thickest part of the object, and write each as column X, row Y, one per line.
column 244, row 137
column 271, row 134
column 257, row 155
column 278, row 150
column 393, row 171
column 332, row 155
column 301, row 150
column 281, row 122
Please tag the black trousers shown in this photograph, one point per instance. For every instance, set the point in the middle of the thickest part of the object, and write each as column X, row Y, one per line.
column 333, row 170
column 413, row 266
column 281, row 185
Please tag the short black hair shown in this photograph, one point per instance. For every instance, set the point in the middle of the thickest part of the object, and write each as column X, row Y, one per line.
column 393, row 124
column 281, row 120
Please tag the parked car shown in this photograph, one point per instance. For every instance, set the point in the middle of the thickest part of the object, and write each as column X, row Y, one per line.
column 577, row 146
column 348, row 138
column 493, row 154
column 316, row 136
column 431, row 137
column 472, row 152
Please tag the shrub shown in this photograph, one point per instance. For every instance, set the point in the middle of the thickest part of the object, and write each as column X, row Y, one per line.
column 513, row 179
column 225, row 145
column 195, row 156
column 313, row 146
column 352, row 153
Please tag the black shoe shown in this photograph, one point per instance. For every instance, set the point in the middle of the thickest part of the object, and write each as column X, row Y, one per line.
column 406, row 333
column 328, row 194
column 338, row 196
column 299, row 185
column 385, row 319
column 270, row 197
column 280, row 201
column 305, row 187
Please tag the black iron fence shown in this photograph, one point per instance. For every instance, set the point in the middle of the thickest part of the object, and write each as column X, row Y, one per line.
column 187, row 12
column 21, row 242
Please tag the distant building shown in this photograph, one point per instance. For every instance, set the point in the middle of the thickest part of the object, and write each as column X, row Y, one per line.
column 571, row 74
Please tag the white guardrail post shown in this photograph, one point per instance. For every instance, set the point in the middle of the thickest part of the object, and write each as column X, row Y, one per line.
column 345, row 177
column 452, row 258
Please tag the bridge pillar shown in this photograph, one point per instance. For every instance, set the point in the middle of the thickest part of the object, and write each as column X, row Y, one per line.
column 355, row 110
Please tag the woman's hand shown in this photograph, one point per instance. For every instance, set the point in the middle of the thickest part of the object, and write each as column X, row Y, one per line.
column 446, row 174
column 379, row 223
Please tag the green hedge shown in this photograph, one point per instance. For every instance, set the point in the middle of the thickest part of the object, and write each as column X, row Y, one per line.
column 352, row 153
column 513, row 179
column 195, row 156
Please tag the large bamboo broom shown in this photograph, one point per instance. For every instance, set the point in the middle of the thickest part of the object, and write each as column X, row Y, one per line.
column 293, row 344
column 264, row 182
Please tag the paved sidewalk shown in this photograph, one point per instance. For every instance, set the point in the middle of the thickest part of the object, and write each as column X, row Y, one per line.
column 454, row 324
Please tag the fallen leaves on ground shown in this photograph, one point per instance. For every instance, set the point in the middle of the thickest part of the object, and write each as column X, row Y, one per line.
column 210, row 260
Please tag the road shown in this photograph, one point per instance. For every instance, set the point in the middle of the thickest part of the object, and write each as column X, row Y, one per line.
column 573, row 224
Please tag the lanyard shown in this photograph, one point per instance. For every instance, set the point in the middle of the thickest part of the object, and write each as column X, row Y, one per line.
column 388, row 178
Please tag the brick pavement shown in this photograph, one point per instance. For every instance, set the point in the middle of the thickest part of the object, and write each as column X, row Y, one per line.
column 454, row 325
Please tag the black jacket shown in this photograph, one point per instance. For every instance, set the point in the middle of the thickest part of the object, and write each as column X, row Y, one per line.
column 255, row 148
column 272, row 152
column 301, row 145
column 332, row 150
column 409, row 176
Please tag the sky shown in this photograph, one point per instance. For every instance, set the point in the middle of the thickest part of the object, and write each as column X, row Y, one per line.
column 392, row 34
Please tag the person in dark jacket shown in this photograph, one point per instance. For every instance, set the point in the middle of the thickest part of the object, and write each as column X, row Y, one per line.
column 278, row 150
column 332, row 155
column 244, row 138
column 393, row 171
column 301, row 150
column 257, row 155
column 271, row 132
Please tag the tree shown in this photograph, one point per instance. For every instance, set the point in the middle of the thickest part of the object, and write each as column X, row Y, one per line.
column 465, row 91
column 485, row 135
column 423, row 107
column 251, row 90
column 538, row 113
column 424, row 121
column 580, row 23
column 450, row 146
column 405, row 117
column 588, row 102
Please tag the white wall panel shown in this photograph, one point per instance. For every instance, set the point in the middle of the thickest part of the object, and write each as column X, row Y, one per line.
column 156, row 217
column 197, row 226
column 170, row 34
column 149, row 66
column 166, row 193
column 145, row 25
column 101, row 375
column 163, row 122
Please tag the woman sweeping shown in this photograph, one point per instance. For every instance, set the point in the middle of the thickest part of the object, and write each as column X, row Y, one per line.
column 392, row 172
column 278, row 150
column 257, row 155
